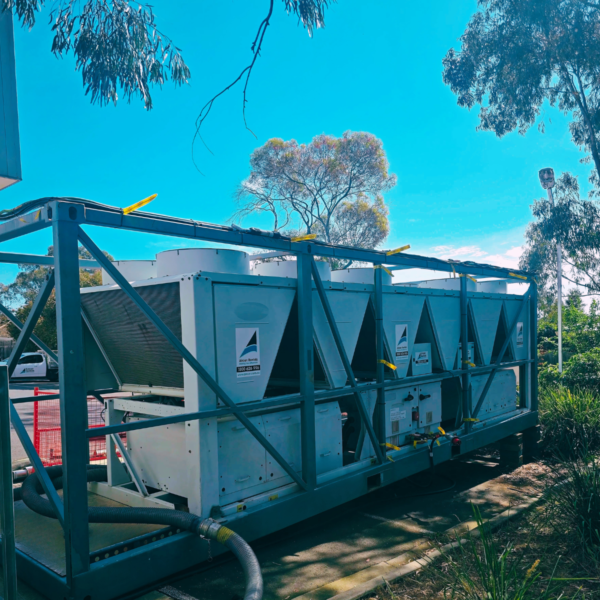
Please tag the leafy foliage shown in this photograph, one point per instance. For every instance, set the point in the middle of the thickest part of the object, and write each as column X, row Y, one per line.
column 514, row 56
column 573, row 222
column 26, row 287
column 116, row 45
column 574, row 504
column 570, row 421
column 332, row 186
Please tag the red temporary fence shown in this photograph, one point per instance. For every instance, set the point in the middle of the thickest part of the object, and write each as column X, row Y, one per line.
column 47, row 431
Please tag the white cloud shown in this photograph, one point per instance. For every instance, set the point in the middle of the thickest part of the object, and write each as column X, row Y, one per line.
column 452, row 252
column 508, row 259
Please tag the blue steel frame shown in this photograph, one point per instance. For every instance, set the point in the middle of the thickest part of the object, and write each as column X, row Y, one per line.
column 144, row 567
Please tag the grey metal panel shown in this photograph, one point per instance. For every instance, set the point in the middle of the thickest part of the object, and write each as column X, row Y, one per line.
column 501, row 397
column 519, row 339
column 430, row 405
column 98, row 375
column 399, row 406
column 349, row 311
column 10, row 153
column 398, row 310
column 328, row 433
column 283, row 431
column 242, row 460
column 158, row 454
column 241, row 307
column 445, row 314
column 486, row 314
column 136, row 349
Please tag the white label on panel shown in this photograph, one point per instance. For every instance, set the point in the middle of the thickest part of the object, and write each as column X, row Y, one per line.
column 422, row 357
column 401, row 343
column 247, row 350
column 395, row 413
column 519, row 335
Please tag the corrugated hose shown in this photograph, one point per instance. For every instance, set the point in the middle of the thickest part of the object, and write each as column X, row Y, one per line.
column 31, row 494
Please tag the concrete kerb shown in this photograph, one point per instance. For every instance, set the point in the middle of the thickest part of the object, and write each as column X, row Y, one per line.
column 355, row 586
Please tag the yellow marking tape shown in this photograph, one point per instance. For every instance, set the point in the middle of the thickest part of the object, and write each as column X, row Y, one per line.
column 139, row 204
column 224, row 534
column 388, row 364
column 471, row 278
column 401, row 249
column 240, row 508
column 273, row 497
column 305, row 238
column 441, row 431
column 438, row 442
column 518, row 276
column 387, row 445
column 385, row 269
column 390, row 459
column 471, row 420
column 468, row 362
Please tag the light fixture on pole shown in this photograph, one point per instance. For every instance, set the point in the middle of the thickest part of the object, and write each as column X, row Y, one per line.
column 547, row 181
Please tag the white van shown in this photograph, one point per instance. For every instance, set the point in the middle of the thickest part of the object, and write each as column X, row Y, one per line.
column 35, row 365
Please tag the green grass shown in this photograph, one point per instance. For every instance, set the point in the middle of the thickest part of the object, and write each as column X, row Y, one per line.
column 570, row 421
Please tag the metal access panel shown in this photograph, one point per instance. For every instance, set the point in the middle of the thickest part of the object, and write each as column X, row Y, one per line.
column 501, row 397
column 485, row 313
column 10, row 152
column 348, row 308
column 158, row 453
column 520, row 333
column 401, row 316
column 399, row 407
column 242, row 460
column 328, row 432
column 283, row 430
column 430, row 406
column 445, row 316
column 421, row 359
column 249, row 321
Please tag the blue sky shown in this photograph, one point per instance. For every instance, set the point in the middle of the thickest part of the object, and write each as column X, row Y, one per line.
column 375, row 67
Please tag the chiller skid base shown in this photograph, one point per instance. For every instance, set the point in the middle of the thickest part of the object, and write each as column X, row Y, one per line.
column 260, row 399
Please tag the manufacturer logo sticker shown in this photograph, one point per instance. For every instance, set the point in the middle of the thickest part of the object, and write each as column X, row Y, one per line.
column 519, row 335
column 401, row 343
column 422, row 357
column 247, row 350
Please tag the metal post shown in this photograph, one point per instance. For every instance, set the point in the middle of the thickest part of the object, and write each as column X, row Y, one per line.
column 558, row 290
column 7, row 522
column 73, row 396
column 379, row 345
column 464, row 334
column 307, row 378
column 533, row 317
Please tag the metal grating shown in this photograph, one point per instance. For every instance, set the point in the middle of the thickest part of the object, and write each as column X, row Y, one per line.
column 137, row 350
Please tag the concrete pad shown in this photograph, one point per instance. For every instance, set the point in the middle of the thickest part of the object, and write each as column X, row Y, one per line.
column 343, row 548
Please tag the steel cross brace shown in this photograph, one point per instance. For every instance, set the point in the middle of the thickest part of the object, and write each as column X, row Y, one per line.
column 364, row 415
column 498, row 362
column 186, row 354
column 27, row 328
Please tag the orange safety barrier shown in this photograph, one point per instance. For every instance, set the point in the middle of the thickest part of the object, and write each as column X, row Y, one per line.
column 47, row 430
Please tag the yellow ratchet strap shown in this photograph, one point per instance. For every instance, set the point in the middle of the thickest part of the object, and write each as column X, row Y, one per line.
column 387, row 445
column 468, row 362
column 471, row 420
column 384, row 268
column 401, row 249
column 305, row 238
column 518, row 276
column 441, row 431
column 139, row 204
column 388, row 364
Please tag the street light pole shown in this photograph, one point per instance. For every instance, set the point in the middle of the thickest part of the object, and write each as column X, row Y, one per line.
column 547, row 181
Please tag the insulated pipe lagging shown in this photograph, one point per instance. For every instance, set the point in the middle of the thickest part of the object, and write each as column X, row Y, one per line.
column 31, row 494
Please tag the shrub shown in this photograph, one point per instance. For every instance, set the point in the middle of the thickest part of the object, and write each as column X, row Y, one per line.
column 583, row 371
column 574, row 505
column 570, row 421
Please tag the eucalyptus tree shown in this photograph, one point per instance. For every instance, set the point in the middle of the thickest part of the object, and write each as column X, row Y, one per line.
column 514, row 56
column 332, row 187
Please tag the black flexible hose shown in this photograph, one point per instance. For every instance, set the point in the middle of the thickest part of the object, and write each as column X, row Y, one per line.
column 31, row 494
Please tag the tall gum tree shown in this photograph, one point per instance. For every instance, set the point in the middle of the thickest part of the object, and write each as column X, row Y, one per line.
column 513, row 56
